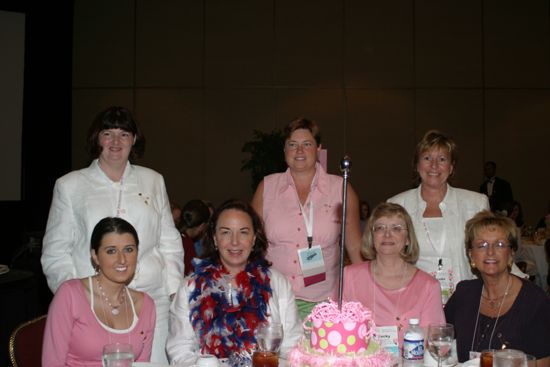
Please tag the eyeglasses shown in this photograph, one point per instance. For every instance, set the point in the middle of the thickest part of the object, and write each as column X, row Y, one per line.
column 394, row 229
column 484, row 246
column 294, row 145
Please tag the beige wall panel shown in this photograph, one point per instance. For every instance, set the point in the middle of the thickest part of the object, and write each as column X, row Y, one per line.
column 176, row 141
column 169, row 43
column 309, row 45
column 517, row 52
column 379, row 43
column 325, row 106
column 87, row 103
column 229, row 120
column 380, row 142
column 448, row 44
column 517, row 139
column 103, row 43
column 239, row 43
column 458, row 113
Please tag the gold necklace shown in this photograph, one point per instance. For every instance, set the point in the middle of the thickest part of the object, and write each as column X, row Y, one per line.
column 493, row 302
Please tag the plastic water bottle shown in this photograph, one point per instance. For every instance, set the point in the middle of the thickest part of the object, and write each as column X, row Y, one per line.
column 413, row 344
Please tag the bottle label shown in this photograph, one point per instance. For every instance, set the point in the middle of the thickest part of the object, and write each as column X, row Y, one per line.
column 413, row 350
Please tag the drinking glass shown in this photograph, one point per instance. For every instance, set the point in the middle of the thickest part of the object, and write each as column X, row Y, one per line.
column 269, row 338
column 118, row 355
column 440, row 341
column 486, row 358
column 509, row 358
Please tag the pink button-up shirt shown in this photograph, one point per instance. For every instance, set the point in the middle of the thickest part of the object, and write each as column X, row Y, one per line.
column 286, row 230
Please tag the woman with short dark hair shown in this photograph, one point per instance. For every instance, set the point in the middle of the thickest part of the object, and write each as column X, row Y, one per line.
column 113, row 186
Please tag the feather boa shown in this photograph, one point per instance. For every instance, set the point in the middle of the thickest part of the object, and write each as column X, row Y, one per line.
column 226, row 327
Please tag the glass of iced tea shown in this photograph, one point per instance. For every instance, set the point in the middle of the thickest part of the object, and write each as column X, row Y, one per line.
column 486, row 358
column 269, row 338
column 509, row 358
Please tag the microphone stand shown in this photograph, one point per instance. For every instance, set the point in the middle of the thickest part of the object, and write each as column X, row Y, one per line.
column 345, row 166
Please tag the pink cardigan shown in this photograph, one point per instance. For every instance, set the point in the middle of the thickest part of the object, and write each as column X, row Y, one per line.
column 420, row 298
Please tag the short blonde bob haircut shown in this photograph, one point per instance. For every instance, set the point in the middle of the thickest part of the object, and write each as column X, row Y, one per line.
column 410, row 251
column 487, row 219
column 434, row 139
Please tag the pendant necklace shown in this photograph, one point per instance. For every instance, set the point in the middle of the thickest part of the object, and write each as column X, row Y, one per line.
column 114, row 314
column 122, row 298
column 498, row 314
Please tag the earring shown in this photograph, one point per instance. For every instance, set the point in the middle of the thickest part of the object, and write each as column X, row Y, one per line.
column 473, row 265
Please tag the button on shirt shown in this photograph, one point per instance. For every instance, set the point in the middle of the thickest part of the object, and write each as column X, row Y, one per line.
column 286, row 230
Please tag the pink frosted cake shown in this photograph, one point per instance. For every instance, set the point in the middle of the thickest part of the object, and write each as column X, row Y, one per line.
column 341, row 338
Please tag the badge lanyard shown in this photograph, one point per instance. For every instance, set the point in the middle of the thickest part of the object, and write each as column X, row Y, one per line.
column 432, row 244
column 308, row 221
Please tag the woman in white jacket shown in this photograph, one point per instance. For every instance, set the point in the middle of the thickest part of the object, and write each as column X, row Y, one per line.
column 231, row 293
column 112, row 186
column 439, row 212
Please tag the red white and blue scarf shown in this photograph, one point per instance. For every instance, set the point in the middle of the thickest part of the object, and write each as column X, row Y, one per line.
column 227, row 327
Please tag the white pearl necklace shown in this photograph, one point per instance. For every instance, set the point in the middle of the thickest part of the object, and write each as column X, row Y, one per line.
column 114, row 309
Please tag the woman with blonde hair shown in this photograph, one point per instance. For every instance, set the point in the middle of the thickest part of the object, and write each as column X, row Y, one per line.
column 389, row 283
column 498, row 310
column 439, row 211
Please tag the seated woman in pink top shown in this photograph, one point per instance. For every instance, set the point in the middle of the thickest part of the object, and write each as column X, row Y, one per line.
column 88, row 313
column 390, row 284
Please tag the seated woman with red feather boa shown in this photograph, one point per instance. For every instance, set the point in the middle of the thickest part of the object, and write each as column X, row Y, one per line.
column 231, row 293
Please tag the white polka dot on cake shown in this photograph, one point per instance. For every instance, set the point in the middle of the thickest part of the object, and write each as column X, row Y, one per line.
column 349, row 325
column 334, row 338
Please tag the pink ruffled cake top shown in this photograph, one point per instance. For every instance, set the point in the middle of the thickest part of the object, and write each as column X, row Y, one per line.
column 351, row 312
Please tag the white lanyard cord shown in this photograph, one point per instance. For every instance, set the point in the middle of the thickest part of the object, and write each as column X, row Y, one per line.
column 441, row 241
column 308, row 221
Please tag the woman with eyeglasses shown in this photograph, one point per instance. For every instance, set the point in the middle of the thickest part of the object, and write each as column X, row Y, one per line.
column 498, row 310
column 439, row 211
column 301, row 209
column 389, row 283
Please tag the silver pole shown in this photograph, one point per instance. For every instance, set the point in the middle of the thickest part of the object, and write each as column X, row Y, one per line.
column 345, row 166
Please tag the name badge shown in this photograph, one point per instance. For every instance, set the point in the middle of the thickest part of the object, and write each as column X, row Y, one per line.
column 312, row 264
column 444, row 275
column 388, row 339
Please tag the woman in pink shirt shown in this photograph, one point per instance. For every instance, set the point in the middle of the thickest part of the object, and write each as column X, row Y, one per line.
column 88, row 313
column 301, row 209
column 390, row 284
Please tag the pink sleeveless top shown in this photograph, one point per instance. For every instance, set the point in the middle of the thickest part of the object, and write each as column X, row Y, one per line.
column 286, row 230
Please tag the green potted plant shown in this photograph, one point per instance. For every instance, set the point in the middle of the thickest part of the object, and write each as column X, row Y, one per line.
column 266, row 155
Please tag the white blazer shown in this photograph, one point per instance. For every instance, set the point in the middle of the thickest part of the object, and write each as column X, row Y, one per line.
column 457, row 207
column 183, row 343
column 82, row 198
